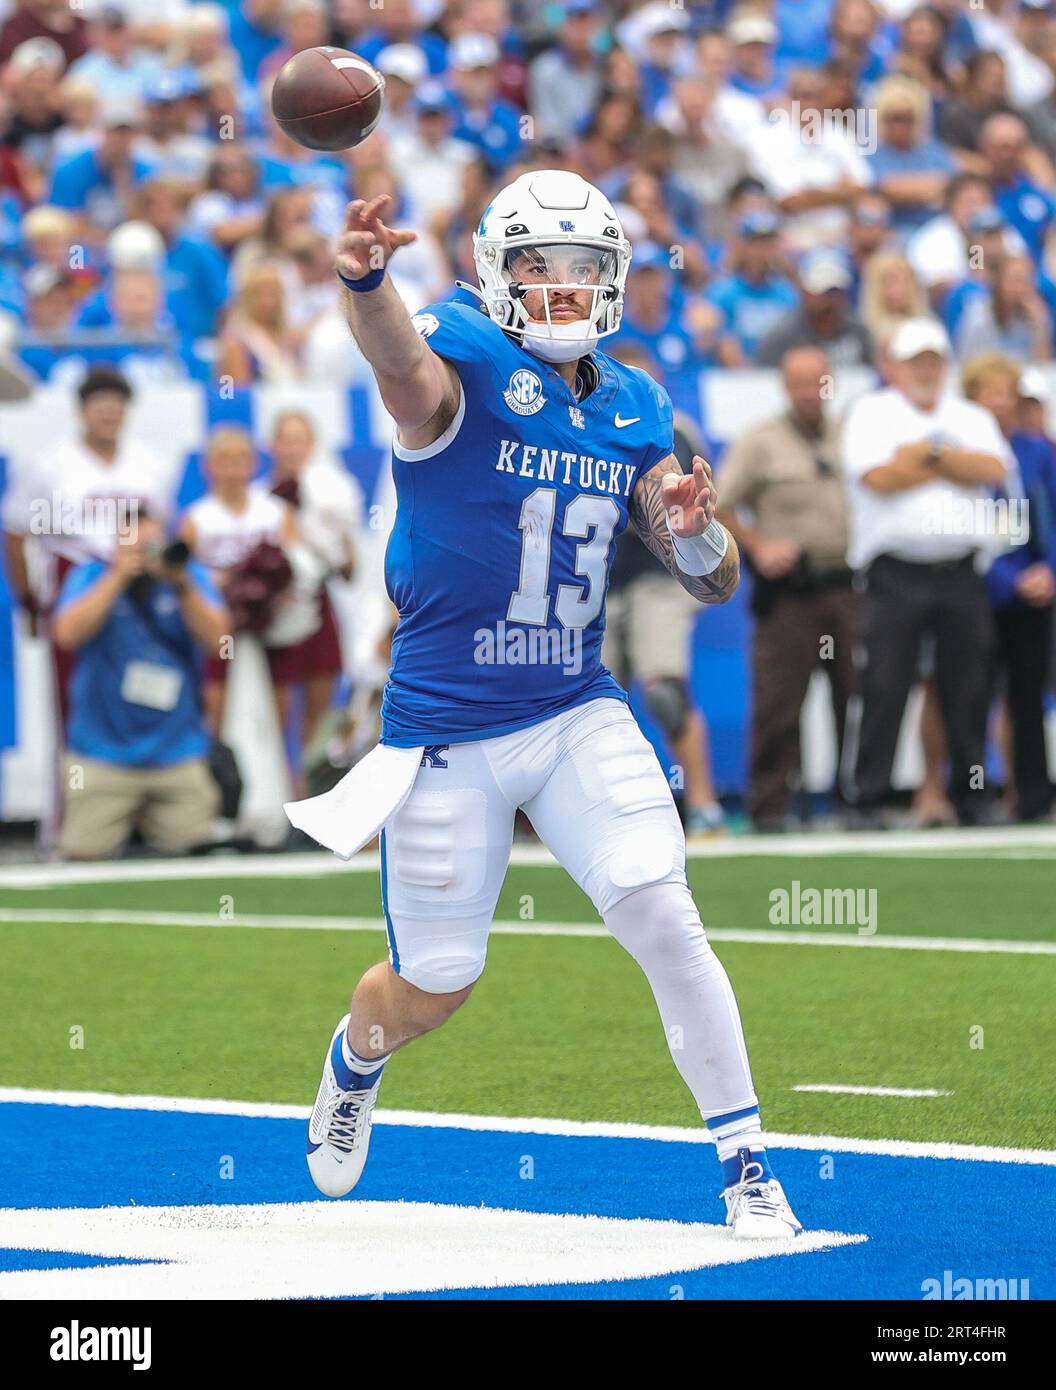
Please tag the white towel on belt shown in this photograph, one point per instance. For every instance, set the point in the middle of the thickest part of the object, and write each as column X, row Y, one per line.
column 350, row 814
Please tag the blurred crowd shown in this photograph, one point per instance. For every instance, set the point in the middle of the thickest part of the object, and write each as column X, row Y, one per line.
column 823, row 168
column 810, row 185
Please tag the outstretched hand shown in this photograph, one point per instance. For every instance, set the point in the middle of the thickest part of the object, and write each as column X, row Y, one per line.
column 690, row 499
column 366, row 244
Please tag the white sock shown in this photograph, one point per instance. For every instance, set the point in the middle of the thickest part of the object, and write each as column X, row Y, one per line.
column 362, row 1066
column 744, row 1131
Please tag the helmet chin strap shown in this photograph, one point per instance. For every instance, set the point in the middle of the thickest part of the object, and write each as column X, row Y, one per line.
column 552, row 345
column 557, row 349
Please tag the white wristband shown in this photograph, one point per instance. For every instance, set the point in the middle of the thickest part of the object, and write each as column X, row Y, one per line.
column 700, row 555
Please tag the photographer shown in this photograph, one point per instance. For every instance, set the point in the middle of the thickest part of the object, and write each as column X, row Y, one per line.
column 137, row 743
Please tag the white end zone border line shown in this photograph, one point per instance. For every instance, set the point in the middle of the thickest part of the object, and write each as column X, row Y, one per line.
column 597, row 1129
column 746, row 936
column 1008, row 842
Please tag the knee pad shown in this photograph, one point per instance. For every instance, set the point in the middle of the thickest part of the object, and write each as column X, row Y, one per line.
column 442, row 963
column 652, row 854
column 661, row 927
column 437, row 891
column 667, row 701
column 631, row 834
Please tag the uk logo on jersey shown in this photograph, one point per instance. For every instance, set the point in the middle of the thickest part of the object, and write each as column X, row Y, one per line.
column 426, row 324
column 524, row 395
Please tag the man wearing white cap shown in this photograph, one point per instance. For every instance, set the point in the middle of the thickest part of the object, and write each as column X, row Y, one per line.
column 404, row 66
column 481, row 117
column 752, row 37
column 918, row 464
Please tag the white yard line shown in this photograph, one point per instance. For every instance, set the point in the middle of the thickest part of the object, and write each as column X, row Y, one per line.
column 744, row 936
column 505, row 1124
column 901, row 1092
column 1027, row 841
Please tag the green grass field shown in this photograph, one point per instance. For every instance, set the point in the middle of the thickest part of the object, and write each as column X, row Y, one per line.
column 559, row 1026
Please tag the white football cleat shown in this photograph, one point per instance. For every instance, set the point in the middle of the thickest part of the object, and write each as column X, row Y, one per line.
column 339, row 1128
column 757, row 1208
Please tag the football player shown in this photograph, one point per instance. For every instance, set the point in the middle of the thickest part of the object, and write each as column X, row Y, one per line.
column 521, row 452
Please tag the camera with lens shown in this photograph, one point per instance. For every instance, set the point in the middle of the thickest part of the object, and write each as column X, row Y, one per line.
column 173, row 556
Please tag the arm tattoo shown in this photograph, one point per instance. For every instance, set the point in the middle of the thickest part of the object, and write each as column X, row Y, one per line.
column 649, row 516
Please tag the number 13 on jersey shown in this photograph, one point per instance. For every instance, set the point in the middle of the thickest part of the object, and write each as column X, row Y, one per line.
column 577, row 605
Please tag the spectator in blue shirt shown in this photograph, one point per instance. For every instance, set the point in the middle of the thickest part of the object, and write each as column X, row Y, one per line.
column 174, row 142
column 987, row 235
column 803, row 30
column 1021, row 582
column 399, row 22
column 1004, row 142
column 194, row 271
column 481, row 118
column 909, row 166
column 96, row 182
column 657, row 317
column 757, row 292
column 660, row 50
column 116, row 66
column 856, row 39
column 1008, row 317
column 232, row 207
column 49, row 306
column 284, row 164
column 255, row 30
column 137, row 742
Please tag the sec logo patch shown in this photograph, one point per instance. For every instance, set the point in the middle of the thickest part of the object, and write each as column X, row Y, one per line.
column 524, row 395
column 426, row 324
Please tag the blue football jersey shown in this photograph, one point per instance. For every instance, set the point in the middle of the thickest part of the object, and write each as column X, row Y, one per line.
column 505, row 530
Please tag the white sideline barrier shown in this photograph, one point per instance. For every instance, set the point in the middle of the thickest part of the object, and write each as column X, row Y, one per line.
column 171, row 417
column 737, row 401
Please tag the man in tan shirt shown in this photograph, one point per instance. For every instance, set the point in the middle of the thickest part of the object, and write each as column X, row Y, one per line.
column 785, row 475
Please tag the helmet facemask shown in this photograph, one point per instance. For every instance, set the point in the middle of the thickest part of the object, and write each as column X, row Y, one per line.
column 531, row 285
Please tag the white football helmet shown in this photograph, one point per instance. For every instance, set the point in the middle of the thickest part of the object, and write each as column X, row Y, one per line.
column 552, row 230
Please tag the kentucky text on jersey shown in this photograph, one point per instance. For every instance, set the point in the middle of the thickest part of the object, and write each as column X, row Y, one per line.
column 505, row 531
column 582, row 470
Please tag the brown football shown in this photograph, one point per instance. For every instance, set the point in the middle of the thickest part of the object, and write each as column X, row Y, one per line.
column 327, row 98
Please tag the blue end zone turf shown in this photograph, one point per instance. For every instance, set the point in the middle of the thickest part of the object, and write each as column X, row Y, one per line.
column 922, row 1216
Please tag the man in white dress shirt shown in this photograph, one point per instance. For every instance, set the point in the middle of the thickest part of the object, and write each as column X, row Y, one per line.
column 921, row 468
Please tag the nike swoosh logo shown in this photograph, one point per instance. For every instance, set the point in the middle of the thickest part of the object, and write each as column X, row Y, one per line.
column 621, row 422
